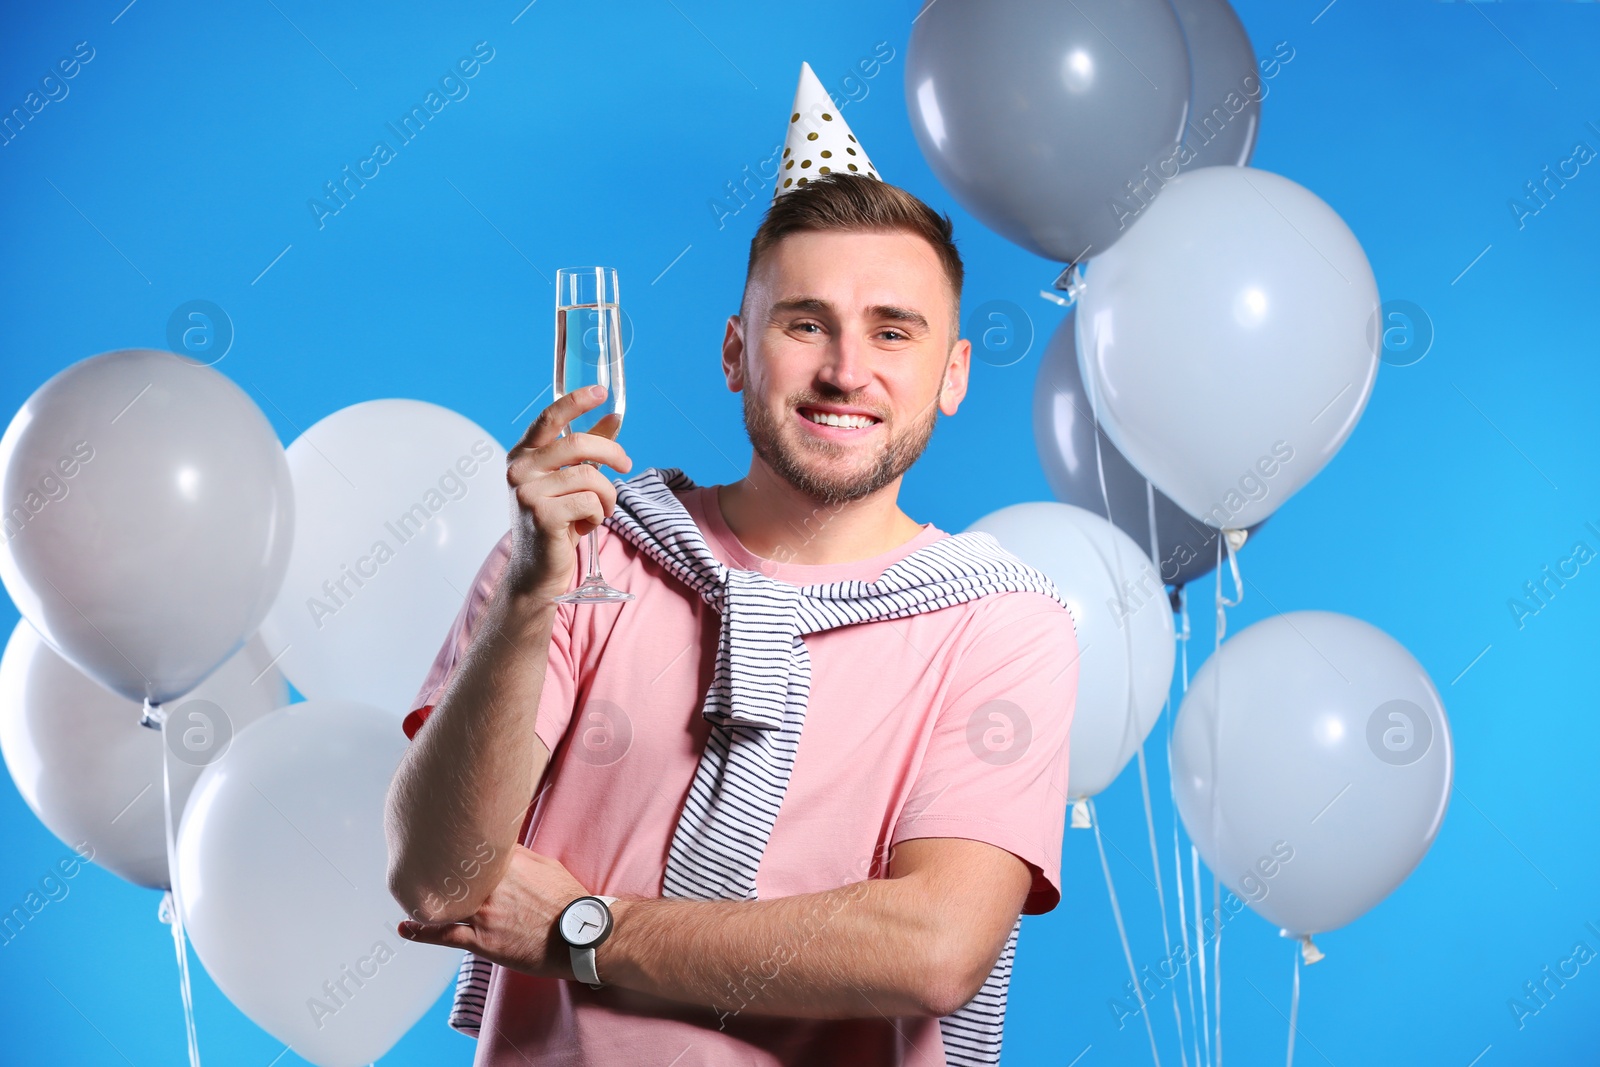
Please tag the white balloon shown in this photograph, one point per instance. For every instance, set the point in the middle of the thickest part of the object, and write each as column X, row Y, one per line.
column 148, row 511
column 397, row 504
column 1332, row 768
column 1126, row 646
column 87, row 768
column 283, row 881
column 1229, row 341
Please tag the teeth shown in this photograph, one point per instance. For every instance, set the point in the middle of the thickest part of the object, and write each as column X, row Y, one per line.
column 852, row 422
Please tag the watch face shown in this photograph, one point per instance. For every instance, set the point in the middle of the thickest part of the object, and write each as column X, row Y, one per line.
column 585, row 922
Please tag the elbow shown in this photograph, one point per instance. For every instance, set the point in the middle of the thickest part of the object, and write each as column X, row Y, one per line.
column 950, row 982
column 406, row 886
column 452, row 901
column 427, row 895
column 408, row 892
column 412, row 883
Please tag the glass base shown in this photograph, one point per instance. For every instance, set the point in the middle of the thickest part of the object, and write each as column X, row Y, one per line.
column 594, row 591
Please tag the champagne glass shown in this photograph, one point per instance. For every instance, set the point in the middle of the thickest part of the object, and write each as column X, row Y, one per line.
column 589, row 352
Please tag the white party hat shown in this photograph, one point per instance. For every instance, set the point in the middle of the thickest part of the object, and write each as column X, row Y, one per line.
column 819, row 141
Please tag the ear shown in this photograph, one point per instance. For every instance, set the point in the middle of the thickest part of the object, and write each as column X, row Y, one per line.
column 954, row 389
column 733, row 354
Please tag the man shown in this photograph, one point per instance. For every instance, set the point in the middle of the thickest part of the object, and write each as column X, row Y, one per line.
column 562, row 755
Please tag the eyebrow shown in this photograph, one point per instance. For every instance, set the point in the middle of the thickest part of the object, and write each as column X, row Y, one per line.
column 815, row 306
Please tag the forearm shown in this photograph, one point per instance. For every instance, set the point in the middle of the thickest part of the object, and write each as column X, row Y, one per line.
column 460, row 794
column 863, row 950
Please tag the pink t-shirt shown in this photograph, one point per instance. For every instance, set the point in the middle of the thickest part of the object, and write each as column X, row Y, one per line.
column 951, row 723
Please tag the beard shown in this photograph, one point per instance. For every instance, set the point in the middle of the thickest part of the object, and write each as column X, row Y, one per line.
column 805, row 462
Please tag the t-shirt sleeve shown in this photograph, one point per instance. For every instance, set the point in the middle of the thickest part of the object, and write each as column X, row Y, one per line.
column 556, row 697
column 995, row 769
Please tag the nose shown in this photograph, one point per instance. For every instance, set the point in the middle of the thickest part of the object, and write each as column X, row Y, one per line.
column 844, row 366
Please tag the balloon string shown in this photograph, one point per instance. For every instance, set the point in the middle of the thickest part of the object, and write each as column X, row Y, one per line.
column 1129, row 726
column 1144, row 779
column 1161, row 896
column 1188, row 952
column 1231, row 539
column 1116, row 913
column 1216, row 961
column 1172, row 796
column 1294, row 1010
column 1198, row 1024
column 1205, row 1004
column 173, row 902
column 1224, row 538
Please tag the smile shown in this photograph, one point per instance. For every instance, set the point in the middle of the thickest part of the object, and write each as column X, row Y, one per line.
column 844, row 422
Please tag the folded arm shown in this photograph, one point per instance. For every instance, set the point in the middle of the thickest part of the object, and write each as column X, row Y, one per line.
column 919, row 942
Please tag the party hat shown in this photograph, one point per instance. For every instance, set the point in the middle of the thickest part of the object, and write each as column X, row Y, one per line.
column 819, row 141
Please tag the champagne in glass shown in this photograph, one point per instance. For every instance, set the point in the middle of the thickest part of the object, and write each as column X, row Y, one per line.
column 589, row 352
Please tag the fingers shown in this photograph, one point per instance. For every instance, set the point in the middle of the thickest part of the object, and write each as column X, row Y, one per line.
column 578, row 478
column 582, row 508
column 549, row 423
column 581, row 448
column 552, row 420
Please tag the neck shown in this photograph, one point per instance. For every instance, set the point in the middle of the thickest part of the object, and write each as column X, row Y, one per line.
column 776, row 521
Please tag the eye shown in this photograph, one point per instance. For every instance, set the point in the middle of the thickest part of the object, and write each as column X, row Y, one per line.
column 806, row 326
column 893, row 334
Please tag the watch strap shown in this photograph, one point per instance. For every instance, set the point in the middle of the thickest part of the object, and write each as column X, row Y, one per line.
column 583, row 959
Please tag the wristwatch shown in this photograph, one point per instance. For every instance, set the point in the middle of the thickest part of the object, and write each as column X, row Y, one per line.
column 584, row 924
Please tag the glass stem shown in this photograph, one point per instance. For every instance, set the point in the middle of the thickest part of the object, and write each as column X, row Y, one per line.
column 593, row 577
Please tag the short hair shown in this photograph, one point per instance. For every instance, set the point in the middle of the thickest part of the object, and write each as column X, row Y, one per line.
column 852, row 203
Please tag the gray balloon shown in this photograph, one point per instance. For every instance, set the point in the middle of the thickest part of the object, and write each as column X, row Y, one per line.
column 1064, row 434
column 1047, row 120
column 1225, row 89
column 148, row 518
column 1319, row 779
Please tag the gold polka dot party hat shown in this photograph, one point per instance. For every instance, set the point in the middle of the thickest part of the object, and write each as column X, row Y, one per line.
column 819, row 141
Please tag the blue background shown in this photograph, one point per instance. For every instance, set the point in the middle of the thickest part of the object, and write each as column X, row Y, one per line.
column 180, row 166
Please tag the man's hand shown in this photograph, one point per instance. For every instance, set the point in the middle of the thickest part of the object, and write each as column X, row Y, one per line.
column 560, row 496
column 516, row 926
